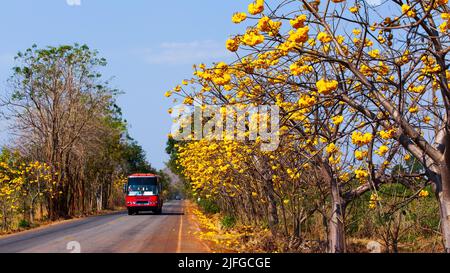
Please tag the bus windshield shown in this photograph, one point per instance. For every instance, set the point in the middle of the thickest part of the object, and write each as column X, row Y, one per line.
column 142, row 186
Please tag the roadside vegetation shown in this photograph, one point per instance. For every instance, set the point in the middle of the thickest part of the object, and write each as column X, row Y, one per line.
column 69, row 150
column 364, row 152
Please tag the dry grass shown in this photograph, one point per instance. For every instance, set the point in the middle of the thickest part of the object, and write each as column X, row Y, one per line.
column 247, row 239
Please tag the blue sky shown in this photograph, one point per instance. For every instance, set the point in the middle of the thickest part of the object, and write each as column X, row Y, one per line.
column 150, row 46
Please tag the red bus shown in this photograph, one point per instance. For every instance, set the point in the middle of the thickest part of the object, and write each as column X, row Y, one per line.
column 143, row 193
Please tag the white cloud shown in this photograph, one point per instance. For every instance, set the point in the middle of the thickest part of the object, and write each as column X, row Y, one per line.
column 186, row 52
column 73, row 2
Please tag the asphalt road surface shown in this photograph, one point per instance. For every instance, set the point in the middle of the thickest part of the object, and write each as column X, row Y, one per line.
column 170, row 232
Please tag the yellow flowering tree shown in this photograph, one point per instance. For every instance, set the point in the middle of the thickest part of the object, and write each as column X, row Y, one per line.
column 37, row 186
column 361, row 89
column 10, row 185
column 249, row 184
column 22, row 187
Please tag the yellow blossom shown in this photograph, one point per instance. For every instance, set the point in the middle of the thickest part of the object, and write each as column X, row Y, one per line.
column 374, row 53
column 326, row 87
column 413, row 109
column 360, row 139
column 387, row 134
column 360, row 155
column 298, row 22
column 361, row 174
column 424, row 193
column 356, row 31
column 188, row 101
column 332, row 148
column 300, row 35
column 265, row 24
column 323, row 37
column 382, row 150
column 338, row 120
column 374, row 199
column 354, row 9
column 297, row 69
column 406, row 9
column 232, row 45
column 238, row 17
column 252, row 38
column 256, row 7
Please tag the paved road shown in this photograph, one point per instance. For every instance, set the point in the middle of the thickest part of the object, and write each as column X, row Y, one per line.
column 170, row 232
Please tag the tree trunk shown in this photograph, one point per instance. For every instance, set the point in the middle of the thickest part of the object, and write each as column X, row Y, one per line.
column 41, row 210
column 336, row 232
column 99, row 198
column 336, row 227
column 443, row 197
column 32, row 212
column 439, row 174
column 272, row 207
